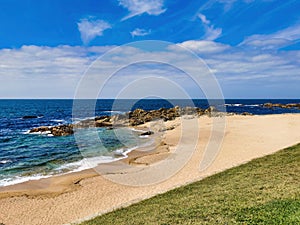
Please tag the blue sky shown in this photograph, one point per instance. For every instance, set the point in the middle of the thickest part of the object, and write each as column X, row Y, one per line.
column 251, row 46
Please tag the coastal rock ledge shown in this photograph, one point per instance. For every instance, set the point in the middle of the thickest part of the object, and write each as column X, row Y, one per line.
column 284, row 106
column 133, row 118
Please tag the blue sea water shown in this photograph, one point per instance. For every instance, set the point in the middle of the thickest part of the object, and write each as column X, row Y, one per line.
column 25, row 156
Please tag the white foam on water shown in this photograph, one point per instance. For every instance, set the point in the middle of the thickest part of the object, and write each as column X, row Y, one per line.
column 144, row 136
column 114, row 112
column 235, row 105
column 255, row 105
column 5, row 161
column 137, row 130
column 58, row 121
column 86, row 163
column 18, row 179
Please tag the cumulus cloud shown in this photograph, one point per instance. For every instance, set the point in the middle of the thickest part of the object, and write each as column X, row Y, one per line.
column 35, row 71
column 138, row 7
column 204, row 47
column 90, row 28
column 139, row 32
column 211, row 33
column 44, row 72
column 275, row 40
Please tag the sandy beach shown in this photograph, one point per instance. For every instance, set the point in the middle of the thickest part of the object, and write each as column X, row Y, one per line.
column 74, row 197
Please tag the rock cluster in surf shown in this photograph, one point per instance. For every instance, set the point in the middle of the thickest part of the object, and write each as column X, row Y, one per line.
column 284, row 106
column 133, row 118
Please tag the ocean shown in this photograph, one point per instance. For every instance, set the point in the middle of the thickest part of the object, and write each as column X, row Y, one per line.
column 25, row 156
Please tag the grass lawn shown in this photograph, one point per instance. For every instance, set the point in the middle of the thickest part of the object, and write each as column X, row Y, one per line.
column 263, row 191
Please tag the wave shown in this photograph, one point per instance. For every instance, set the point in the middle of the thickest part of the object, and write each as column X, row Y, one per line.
column 45, row 133
column 254, row 105
column 83, row 164
column 69, row 167
column 19, row 179
column 234, row 105
column 58, row 121
column 137, row 130
column 242, row 105
column 5, row 161
column 86, row 163
column 77, row 119
column 114, row 112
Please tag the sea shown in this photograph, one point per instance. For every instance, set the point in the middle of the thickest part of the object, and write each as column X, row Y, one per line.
column 28, row 156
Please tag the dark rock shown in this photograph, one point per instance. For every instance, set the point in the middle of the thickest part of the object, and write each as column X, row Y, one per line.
column 284, row 106
column 134, row 118
column 268, row 105
column 39, row 129
column 29, row 117
column 246, row 114
column 211, row 111
column 147, row 133
column 60, row 130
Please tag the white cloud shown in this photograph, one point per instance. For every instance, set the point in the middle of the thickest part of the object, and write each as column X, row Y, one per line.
column 203, row 19
column 139, row 32
column 275, row 40
column 54, row 72
column 138, row 7
column 90, row 28
column 44, row 72
column 204, row 47
column 227, row 4
column 211, row 33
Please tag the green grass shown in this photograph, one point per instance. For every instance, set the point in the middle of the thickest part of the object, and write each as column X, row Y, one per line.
column 263, row 191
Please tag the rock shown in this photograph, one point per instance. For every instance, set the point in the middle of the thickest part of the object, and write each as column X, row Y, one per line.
column 268, row 105
column 103, row 122
column 29, row 117
column 284, row 106
column 211, row 111
column 39, row 129
column 147, row 133
column 188, row 111
column 134, row 118
column 60, row 130
column 246, row 114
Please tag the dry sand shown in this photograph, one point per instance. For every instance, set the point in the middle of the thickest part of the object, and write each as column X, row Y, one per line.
column 77, row 196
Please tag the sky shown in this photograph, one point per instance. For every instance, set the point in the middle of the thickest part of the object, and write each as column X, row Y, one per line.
column 251, row 48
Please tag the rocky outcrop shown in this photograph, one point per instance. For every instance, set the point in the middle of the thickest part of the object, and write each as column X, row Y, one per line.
column 60, row 130
column 133, row 118
column 246, row 114
column 284, row 106
column 140, row 116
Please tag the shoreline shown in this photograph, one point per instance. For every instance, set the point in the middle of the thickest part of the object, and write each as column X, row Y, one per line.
column 115, row 157
column 87, row 194
column 60, row 183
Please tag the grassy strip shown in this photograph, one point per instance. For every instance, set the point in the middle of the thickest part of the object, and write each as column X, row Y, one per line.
column 263, row 191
